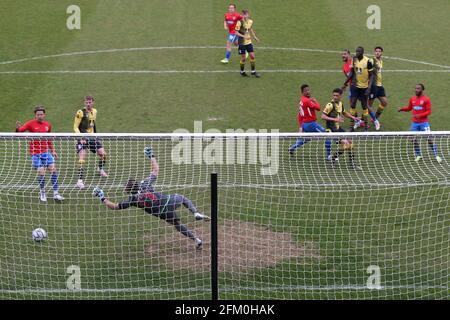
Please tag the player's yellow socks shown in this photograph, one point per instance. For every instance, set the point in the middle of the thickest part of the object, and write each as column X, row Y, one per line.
column 252, row 64
column 242, row 64
column 365, row 117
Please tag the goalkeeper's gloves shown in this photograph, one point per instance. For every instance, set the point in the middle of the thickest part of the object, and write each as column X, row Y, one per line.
column 148, row 151
column 97, row 192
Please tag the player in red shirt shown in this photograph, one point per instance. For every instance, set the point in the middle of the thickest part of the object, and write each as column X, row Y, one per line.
column 307, row 119
column 229, row 24
column 42, row 152
column 348, row 63
column 420, row 106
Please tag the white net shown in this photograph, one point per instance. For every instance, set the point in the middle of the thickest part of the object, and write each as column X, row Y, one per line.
column 375, row 226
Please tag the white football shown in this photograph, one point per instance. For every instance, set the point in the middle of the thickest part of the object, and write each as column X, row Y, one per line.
column 39, row 235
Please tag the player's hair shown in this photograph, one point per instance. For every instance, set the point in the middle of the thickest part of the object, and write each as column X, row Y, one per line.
column 346, row 50
column 132, row 186
column 421, row 85
column 378, row 48
column 245, row 11
column 359, row 47
column 232, row 4
column 39, row 108
column 337, row 90
column 303, row 87
column 89, row 98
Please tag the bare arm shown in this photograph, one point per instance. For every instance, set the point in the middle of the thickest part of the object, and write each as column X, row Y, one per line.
column 328, row 118
column 110, row 204
column 155, row 167
column 348, row 115
column 225, row 25
column 254, row 35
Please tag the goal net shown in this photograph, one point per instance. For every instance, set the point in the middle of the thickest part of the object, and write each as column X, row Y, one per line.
column 370, row 224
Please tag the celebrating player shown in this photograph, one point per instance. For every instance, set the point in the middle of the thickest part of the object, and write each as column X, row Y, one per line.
column 163, row 206
column 308, row 121
column 42, row 152
column 362, row 77
column 333, row 115
column 244, row 29
column 85, row 122
column 420, row 106
column 229, row 24
column 377, row 91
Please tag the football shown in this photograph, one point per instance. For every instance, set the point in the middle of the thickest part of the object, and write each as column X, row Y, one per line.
column 39, row 235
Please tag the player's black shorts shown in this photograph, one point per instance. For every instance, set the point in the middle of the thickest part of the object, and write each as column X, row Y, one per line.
column 92, row 144
column 358, row 93
column 377, row 92
column 245, row 47
column 334, row 129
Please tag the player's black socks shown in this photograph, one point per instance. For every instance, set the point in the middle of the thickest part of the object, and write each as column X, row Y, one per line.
column 252, row 64
column 101, row 163
column 242, row 65
column 81, row 173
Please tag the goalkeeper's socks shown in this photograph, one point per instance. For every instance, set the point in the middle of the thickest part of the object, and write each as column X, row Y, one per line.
column 184, row 231
column 41, row 181
column 228, row 55
column 372, row 115
column 54, row 179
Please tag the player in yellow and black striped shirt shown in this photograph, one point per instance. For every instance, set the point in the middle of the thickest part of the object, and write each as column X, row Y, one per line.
column 245, row 32
column 334, row 114
column 377, row 91
column 362, row 77
column 85, row 122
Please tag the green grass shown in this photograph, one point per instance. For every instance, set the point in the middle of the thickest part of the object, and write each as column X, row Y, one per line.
column 350, row 225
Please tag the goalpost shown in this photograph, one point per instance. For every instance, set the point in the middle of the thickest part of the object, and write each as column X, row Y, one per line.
column 290, row 226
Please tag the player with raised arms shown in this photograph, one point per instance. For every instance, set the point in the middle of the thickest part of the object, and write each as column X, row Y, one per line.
column 163, row 206
column 420, row 106
column 42, row 152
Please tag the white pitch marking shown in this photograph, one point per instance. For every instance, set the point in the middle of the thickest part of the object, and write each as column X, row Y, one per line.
column 79, row 53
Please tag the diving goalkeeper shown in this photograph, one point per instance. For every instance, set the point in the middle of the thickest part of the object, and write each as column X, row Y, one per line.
column 163, row 206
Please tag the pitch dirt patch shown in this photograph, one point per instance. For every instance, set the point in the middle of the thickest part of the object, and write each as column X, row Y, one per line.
column 242, row 245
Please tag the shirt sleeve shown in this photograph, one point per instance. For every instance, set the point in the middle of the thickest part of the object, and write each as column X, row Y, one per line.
column 328, row 109
column 25, row 127
column 131, row 201
column 370, row 65
column 77, row 121
column 238, row 26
